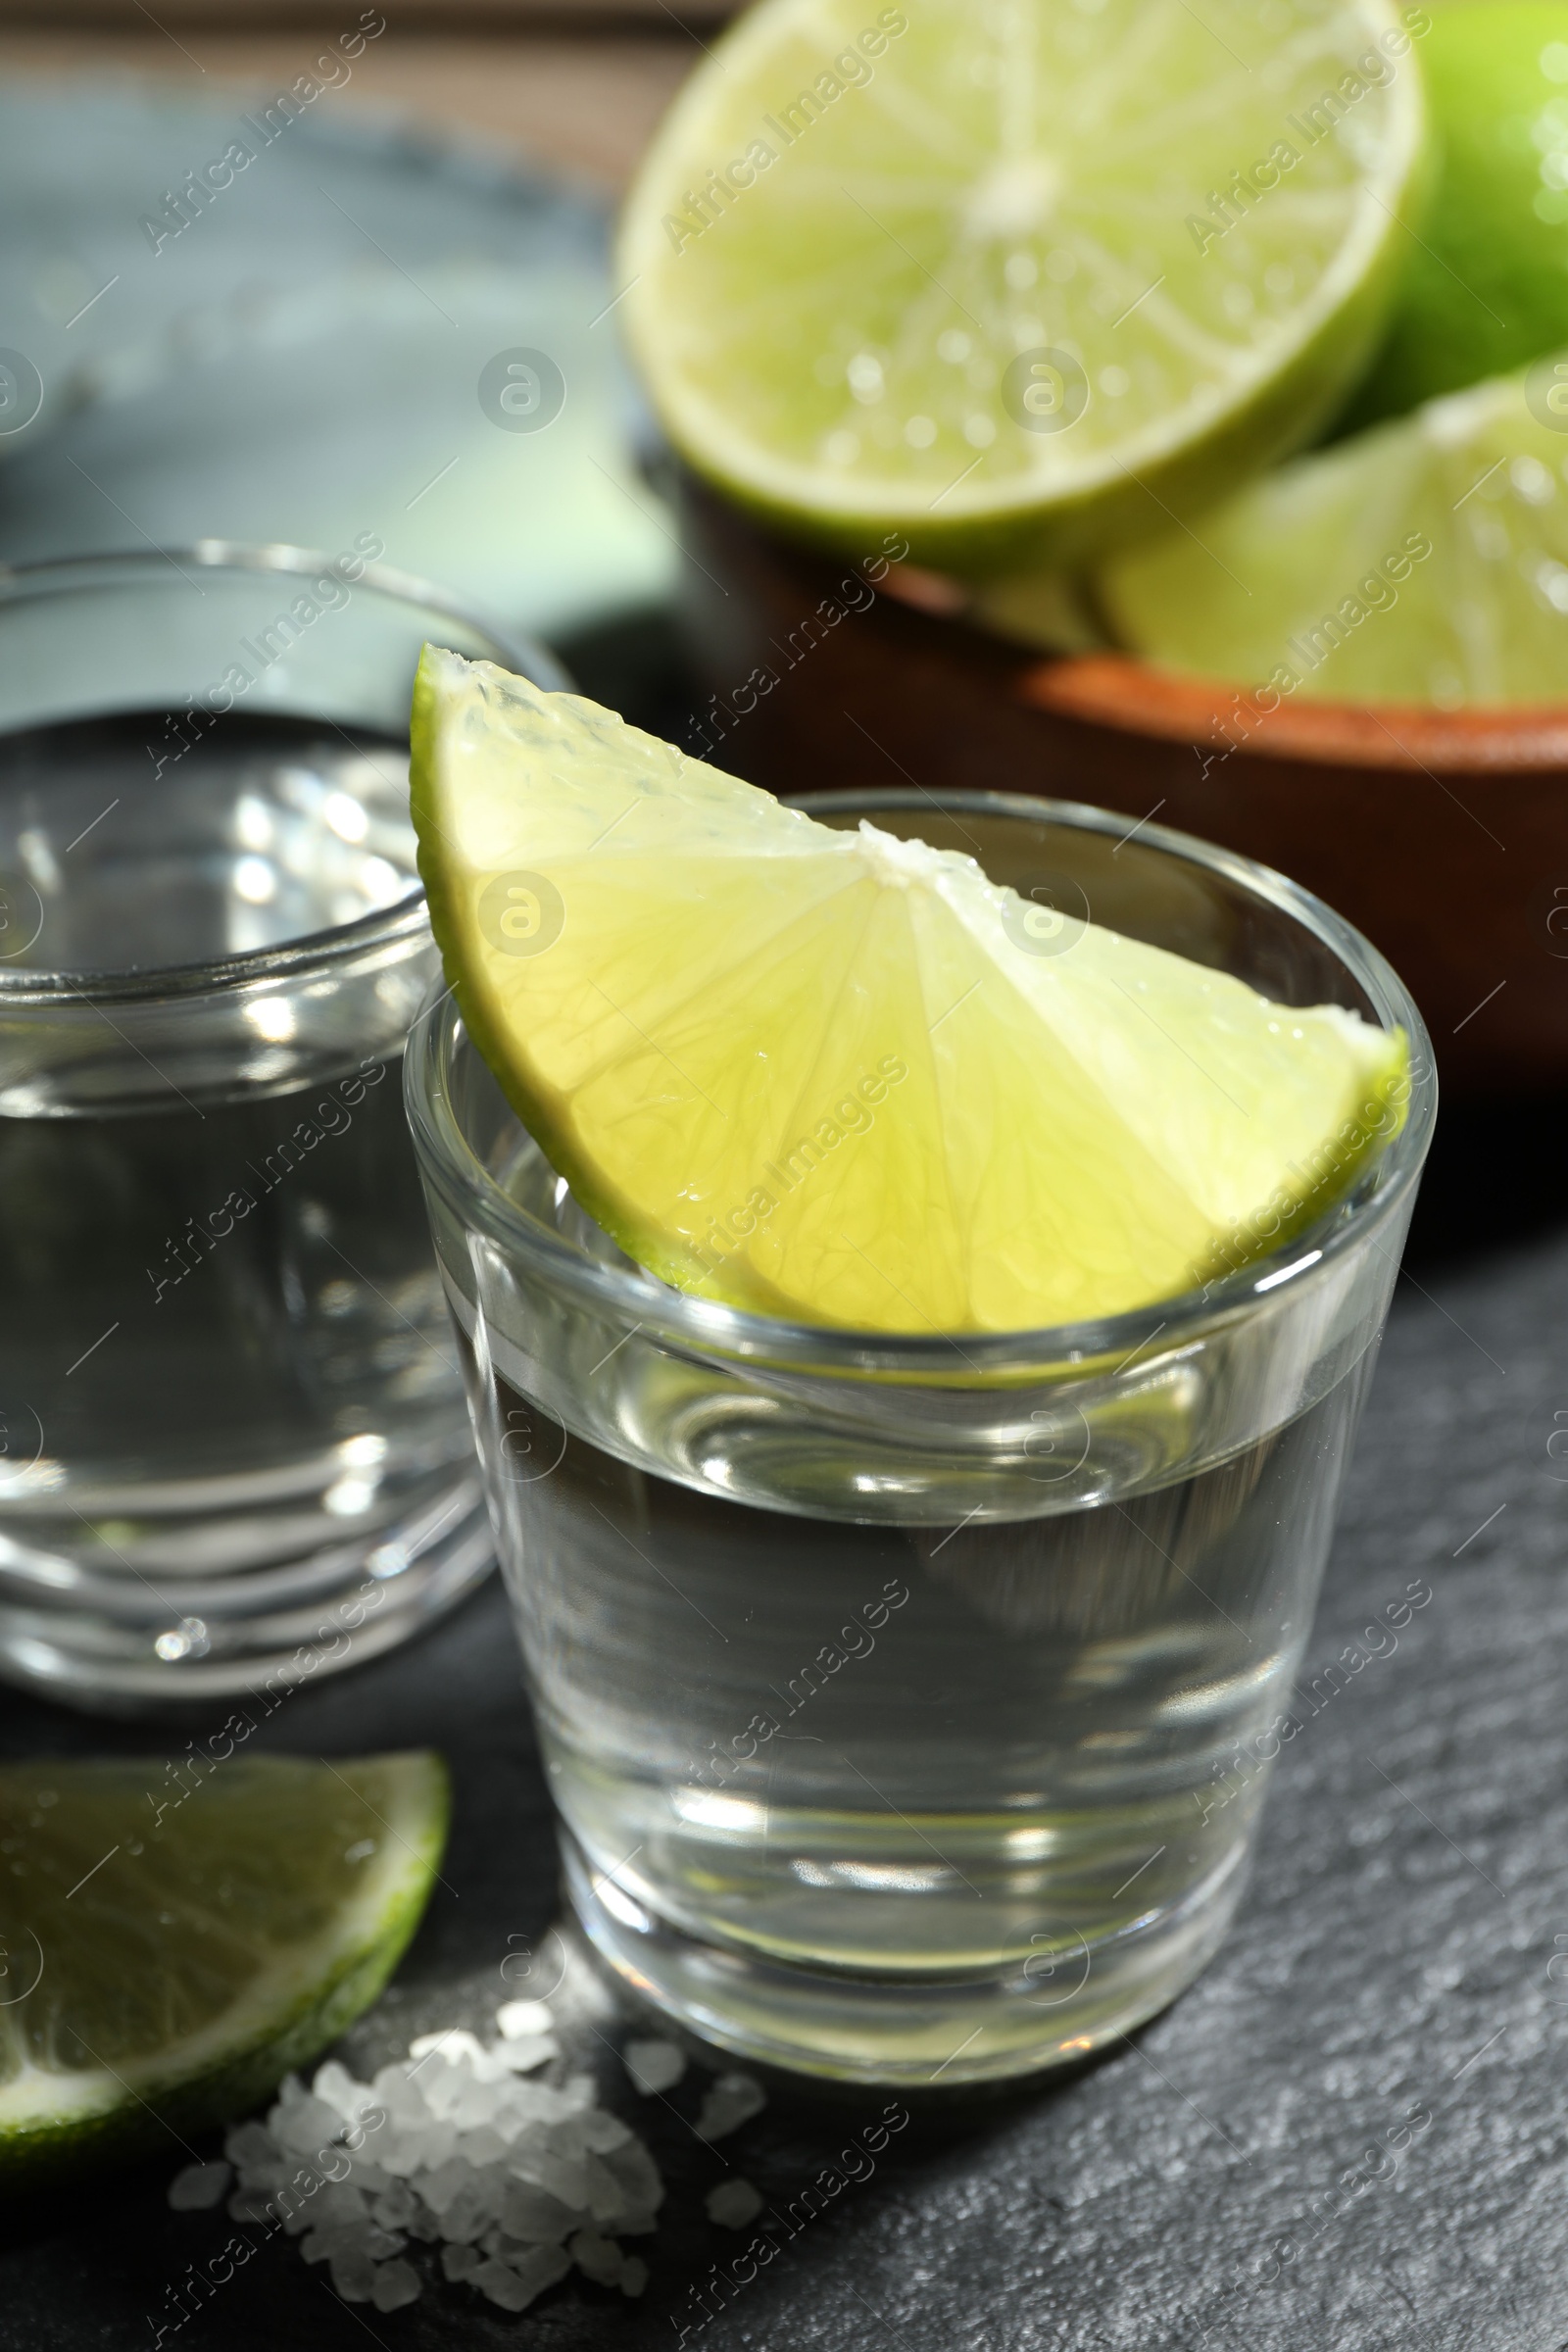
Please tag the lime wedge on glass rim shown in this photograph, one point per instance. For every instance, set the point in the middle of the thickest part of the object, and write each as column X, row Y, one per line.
column 172, row 1944
column 842, row 1077
column 1017, row 279
column 1426, row 560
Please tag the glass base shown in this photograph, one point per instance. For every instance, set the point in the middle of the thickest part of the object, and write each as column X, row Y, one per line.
column 114, row 1644
column 853, row 2028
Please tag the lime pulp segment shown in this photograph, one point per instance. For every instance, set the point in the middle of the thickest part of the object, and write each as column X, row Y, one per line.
column 841, row 1076
column 1426, row 560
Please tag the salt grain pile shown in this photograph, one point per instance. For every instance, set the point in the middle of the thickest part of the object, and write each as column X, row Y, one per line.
column 516, row 2180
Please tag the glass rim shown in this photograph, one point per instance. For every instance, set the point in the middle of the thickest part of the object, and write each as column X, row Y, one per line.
column 311, row 951
column 710, row 1329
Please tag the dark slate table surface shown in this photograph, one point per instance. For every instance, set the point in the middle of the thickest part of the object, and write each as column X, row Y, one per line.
column 1350, row 2134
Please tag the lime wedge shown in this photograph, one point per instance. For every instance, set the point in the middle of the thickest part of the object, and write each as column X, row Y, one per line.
column 841, row 1076
column 1484, row 287
column 173, row 1944
column 1424, row 562
column 1011, row 279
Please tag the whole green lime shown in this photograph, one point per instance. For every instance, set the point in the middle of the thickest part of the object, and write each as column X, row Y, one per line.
column 1486, row 282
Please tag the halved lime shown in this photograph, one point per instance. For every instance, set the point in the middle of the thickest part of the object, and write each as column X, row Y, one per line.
column 173, row 1940
column 1010, row 279
column 1424, row 562
column 841, row 1076
column 1484, row 288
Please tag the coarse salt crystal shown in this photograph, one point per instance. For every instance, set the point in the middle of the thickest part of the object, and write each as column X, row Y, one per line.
column 516, row 2290
column 249, row 2205
column 639, row 2176
column 598, row 2258
column 459, row 2146
column 472, row 2210
column 439, row 2188
column 564, row 2177
column 198, row 2186
column 353, row 2276
column 530, row 2212
column 523, row 2054
column 733, row 2100
column 336, row 2085
column 304, row 2125
column 515, row 2019
column 394, row 2284
column 250, row 2143
column 396, row 2205
column 424, row 2226
column 341, row 2201
column 454, row 2043
column 733, row 2204
column 654, row 2065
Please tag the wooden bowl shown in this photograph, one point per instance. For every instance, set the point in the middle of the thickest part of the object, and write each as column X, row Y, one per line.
column 1442, row 835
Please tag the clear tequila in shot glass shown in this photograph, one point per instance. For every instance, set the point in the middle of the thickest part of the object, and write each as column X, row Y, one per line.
column 891, row 1689
column 233, row 1448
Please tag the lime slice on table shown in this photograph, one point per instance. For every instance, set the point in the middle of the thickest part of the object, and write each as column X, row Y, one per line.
column 1424, row 562
column 173, row 1944
column 839, row 1076
column 982, row 276
column 1484, row 287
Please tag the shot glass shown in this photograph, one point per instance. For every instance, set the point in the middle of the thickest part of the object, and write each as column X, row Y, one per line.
column 909, row 1703
column 233, row 1448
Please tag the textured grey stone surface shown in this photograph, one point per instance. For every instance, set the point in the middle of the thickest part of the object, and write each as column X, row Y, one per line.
column 1352, row 2134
